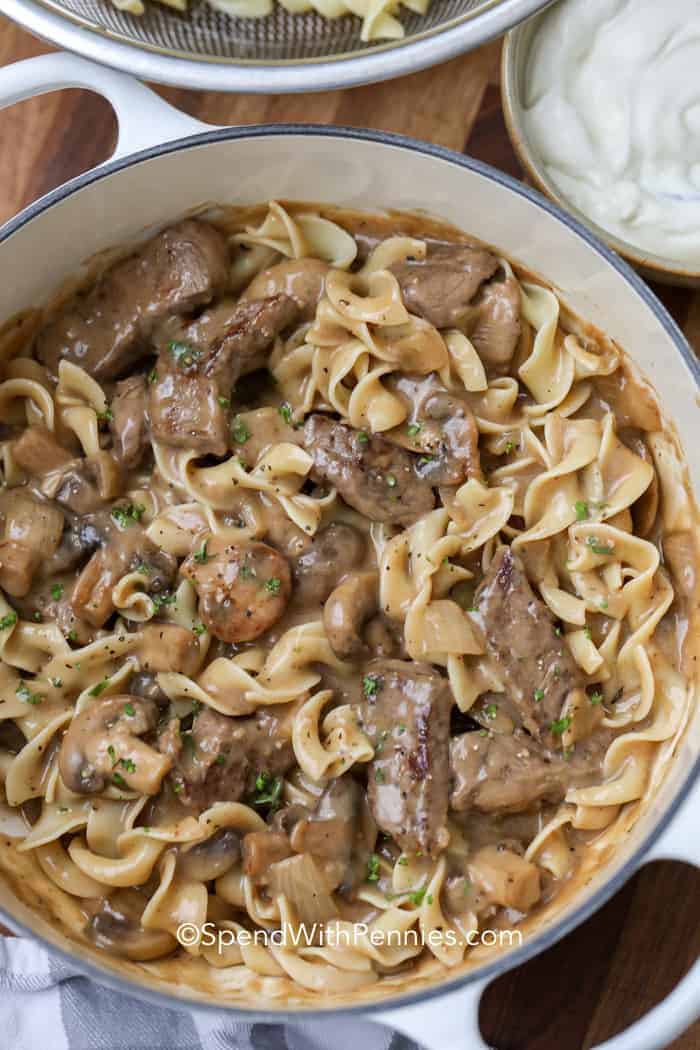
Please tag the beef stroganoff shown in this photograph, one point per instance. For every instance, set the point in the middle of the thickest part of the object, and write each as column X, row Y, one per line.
column 347, row 584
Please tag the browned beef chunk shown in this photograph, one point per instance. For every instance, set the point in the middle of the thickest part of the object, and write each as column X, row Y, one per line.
column 333, row 552
column 406, row 714
column 494, row 325
column 303, row 280
column 107, row 329
column 448, row 437
column 199, row 364
column 510, row 773
column 374, row 476
column 537, row 666
column 129, row 423
column 38, row 452
column 503, row 773
column 441, row 287
column 220, row 758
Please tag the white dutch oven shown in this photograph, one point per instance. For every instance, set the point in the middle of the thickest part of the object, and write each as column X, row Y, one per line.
column 166, row 163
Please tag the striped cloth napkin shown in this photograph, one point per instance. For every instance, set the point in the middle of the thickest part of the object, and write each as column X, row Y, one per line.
column 45, row 1002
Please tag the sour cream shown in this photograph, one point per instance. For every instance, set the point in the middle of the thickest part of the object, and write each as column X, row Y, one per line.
column 612, row 105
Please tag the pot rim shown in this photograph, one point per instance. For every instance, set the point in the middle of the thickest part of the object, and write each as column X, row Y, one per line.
column 384, row 60
column 551, row 934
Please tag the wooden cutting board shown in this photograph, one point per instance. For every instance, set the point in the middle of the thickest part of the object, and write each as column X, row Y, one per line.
column 627, row 957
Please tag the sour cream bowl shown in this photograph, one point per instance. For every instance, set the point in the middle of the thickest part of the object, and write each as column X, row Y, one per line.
column 166, row 165
column 515, row 73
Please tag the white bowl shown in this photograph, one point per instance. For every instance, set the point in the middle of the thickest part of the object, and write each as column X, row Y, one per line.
column 135, row 192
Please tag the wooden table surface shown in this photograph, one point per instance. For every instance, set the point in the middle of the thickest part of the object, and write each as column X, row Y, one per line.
column 628, row 956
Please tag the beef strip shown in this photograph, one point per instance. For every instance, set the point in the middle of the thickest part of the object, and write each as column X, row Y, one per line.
column 107, row 329
column 219, row 759
column 406, row 714
column 81, row 484
column 129, row 421
column 199, row 364
column 440, row 287
column 374, row 476
column 494, row 325
column 509, row 773
column 448, row 435
column 537, row 666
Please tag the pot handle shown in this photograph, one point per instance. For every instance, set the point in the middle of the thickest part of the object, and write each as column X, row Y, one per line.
column 451, row 1021
column 143, row 117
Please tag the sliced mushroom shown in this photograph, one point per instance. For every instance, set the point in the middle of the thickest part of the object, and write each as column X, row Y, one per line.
column 243, row 588
column 168, row 647
column 212, row 858
column 117, row 928
column 103, row 745
column 349, row 607
column 333, row 552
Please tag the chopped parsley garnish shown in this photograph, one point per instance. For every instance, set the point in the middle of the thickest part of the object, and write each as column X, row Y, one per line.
column 112, row 754
column 99, row 688
column 144, row 569
column 581, row 508
column 391, row 481
column 424, row 460
column 128, row 764
column 119, row 780
column 416, row 898
column 129, row 710
column 152, row 376
column 220, row 759
column 159, row 600
column 285, row 411
column 604, row 603
column 371, row 684
column 491, row 710
column 24, row 693
column 401, row 729
column 596, row 698
column 557, row 631
column 198, row 629
column 197, row 706
column 273, row 585
column 267, row 790
column 201, row 556
column 373, row 868
column 127, row 515
column 413, row 429
column 240, row 431
column 107, row 416
column 56, row 682
column 245, row 572
column 72, row 636
column 56, row 591
column 183, row 354
column 587, row 633
column 363, row 437
column 599, row 548
column 509, row 446
column 539, row 695
column 36, row 616
column 8, row 621
column 560, row 726
column 402, row 861
column 224, row 401
column 379, row 776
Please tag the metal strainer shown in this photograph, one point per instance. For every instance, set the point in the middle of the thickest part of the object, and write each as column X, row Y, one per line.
column 282, row 52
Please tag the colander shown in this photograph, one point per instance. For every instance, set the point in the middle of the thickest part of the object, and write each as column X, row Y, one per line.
column 207, row 50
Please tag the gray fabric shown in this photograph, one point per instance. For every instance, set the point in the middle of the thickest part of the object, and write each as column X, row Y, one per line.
column 93, row 1017
column 45, row 1002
